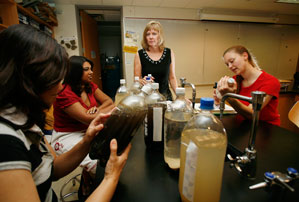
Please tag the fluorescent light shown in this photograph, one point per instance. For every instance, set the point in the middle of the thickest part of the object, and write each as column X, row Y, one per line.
column 237, row 16
column 288, row 1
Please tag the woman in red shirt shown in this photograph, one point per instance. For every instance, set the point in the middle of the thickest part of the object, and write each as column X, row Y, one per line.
column 75, row 107
column 249, row 77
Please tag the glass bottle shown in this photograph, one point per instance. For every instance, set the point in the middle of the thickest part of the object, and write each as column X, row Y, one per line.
column 121, row 92
column 203, row 148
column 178, row 113
column 154, row 121
column 122, row 124
column 136, row 87
column 145, row 91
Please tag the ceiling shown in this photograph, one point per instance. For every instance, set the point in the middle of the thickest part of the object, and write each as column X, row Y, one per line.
column 261, row 6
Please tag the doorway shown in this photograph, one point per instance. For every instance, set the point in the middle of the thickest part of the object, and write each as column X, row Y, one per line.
column 108, row 22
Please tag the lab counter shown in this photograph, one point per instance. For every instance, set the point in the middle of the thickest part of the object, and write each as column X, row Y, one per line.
column 147, row 178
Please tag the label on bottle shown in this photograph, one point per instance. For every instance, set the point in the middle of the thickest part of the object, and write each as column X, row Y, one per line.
column 190, row 171
column 157, row 124
column 145, row 126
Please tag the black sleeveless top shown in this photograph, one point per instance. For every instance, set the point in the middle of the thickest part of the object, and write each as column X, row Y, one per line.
column 159, row 69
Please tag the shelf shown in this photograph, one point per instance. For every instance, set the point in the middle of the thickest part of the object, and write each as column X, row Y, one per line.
column 2, row 27
column 31, row 15
column 7, row 2
column 8, row 13
column 12, row 13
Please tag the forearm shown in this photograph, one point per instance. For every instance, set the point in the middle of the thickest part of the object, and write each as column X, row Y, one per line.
column 173, row 84
column 104, row 191
column 242, row 109
column 67, row 162
column 106, row 106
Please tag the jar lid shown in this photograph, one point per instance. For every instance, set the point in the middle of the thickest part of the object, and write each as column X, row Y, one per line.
column 180, row 91
column 206, row 103
column 122, row 81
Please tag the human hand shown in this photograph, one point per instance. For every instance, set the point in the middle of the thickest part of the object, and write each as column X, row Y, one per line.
column 92, row 110
column 226, row 87
column 143, row 80
column 116, row 163
column 188, row 102
column 216, row 99
column 95, row 126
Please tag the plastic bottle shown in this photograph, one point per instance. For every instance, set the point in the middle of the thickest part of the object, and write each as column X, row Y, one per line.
column 148, row 81
column 154, row 121
column 122, row 124
column 136, row 87
column 150, row 76
column 203, row 148
column 121, row 92
column 176, row 117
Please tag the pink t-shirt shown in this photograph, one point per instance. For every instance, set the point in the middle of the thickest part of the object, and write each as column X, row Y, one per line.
column 271, row 86
column 62, row 121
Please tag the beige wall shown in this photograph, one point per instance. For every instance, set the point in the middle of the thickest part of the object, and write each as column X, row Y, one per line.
column 67, row 26
column 199, row 45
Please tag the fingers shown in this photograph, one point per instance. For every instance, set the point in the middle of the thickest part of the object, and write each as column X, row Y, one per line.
column 113, row 147
column 142, row 81
column 92, row 110
column 100, row 119
column 226, row 86
column 113, row 150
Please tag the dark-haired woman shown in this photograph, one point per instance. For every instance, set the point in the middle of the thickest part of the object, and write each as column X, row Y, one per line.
column 249, row 77
column 76, row 106
column 32, row 68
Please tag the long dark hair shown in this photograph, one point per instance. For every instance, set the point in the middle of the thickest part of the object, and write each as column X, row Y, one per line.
column 31, row 63
column 74, row 76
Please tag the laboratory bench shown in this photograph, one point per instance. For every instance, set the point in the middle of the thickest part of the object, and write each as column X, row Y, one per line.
column 146, row 177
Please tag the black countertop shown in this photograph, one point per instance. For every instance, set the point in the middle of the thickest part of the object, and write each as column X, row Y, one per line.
column 147, row 178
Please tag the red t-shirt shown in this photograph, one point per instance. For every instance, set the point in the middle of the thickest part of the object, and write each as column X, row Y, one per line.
column 62, row 121
column 271, row 86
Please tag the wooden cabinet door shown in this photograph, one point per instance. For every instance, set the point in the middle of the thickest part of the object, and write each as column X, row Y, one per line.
column 90, row 45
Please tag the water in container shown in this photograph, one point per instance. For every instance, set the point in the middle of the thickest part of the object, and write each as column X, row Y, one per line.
column 121, row 92
column 136, row 87
column 203, row 148
column 154, row 121
column 178, row 113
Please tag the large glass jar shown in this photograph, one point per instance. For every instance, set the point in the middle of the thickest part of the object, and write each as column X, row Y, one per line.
column 121, row 125
column 203, row 148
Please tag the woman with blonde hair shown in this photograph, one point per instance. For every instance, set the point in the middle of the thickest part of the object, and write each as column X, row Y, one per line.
column 249, row 77
column 155, row 59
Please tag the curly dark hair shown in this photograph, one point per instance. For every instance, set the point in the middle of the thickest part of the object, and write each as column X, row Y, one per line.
column 31, row 63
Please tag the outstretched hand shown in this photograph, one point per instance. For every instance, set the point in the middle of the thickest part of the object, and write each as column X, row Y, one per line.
column 95, row 126
column 116, row 163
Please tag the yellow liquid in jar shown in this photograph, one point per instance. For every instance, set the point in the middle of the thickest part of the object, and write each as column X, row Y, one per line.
column 211, row 149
